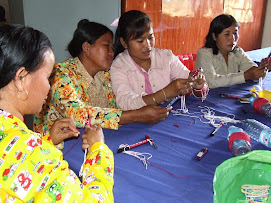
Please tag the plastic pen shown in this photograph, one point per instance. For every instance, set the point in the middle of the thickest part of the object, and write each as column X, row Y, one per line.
column 268, row 58
column 216, row 129
column 147, row 140
column 174, row 100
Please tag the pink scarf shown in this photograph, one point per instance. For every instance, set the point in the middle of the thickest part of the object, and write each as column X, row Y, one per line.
column 148, row 88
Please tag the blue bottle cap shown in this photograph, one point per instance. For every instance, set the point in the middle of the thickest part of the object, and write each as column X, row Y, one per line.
column 252, row 99
column 234, row 129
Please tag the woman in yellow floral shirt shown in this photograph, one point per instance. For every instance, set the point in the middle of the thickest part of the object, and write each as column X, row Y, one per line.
column 31, row 168
column 81, row 89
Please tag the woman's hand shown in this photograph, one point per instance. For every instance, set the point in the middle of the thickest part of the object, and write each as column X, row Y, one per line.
column 255, row 73
column 199, row 81
column 152, row 114
column 266, row 62
column 93, row 134
column 62, row 129
column 179, row 86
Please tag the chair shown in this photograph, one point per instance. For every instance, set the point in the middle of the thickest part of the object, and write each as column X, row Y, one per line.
column 188, row 60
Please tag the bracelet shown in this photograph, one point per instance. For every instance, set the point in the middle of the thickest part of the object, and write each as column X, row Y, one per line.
column 154, row 100
column 164, row 94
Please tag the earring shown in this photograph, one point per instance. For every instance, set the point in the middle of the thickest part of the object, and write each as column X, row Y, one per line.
column 18, row 95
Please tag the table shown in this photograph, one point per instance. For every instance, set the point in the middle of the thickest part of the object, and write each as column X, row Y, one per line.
column 259, row 54
column 174, row 175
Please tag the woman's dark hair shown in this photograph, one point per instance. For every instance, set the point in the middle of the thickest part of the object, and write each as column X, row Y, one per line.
column 86, row 32
column 217, row 25
column 2, row 14
column 132, row 25
column 20, row 46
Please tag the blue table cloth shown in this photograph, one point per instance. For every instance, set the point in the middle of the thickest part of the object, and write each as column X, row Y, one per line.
column 173, row 175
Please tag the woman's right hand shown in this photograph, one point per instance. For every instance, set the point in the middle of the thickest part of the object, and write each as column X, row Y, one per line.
column 62, row 129
column 179, row 86
column 152, row 114
column 255, row 73
column 93, row 134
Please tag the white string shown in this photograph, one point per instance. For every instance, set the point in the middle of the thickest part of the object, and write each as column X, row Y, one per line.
column 208, row 114
column 183, row 105
column 140, row 156
column 261, row 82
column 81, row 169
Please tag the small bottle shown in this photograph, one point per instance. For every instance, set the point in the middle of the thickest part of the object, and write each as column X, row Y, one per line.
column 257, row 131
column 261, row 105
column 239, row 141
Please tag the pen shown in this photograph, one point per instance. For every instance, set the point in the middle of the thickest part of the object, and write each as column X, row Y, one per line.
column 147, row 139
column 216, row 129
column 196, row 73
column 173, row 101
column 268, row 58
column 229, row 96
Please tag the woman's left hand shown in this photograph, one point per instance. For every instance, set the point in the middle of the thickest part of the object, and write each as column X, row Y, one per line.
column 266, row 63
column 62, row 129
column 199, row 80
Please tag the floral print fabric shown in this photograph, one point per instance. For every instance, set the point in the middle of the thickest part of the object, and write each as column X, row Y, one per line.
column 68, row 97
column 33, row 170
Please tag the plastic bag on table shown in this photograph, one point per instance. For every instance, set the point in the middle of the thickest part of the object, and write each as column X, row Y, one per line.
column 253, row 168
column 257, row 91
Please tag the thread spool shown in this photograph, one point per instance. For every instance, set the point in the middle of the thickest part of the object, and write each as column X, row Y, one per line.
column 257, row 104
column 238, row 135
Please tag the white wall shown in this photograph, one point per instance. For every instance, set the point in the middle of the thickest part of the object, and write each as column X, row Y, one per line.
column 58, row 18
column 266, row 41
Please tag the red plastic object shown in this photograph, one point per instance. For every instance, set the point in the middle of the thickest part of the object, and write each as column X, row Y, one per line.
column 188, row 60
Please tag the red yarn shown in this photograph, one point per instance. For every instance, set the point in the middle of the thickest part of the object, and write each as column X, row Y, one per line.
column 257, row 104
column 238, row 135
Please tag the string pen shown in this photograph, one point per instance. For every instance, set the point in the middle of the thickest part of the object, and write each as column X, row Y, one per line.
column 216, row 129
column 127, row 147
column 196, row 73
column 268, row 58
column 229, row 96
column 173, row 101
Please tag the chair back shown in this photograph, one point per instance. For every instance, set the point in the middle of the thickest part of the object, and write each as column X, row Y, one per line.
column 188, row 60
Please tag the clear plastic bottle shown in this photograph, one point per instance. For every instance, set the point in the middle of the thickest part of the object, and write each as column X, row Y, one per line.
column 261, row 105
column 238, row 146
column 266, row 109
column 257, row 131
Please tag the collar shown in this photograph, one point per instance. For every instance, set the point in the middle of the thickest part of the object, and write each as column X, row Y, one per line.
column 9, row 118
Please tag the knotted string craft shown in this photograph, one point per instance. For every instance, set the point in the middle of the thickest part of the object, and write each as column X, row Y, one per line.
column 144, row 157
column 207, row 116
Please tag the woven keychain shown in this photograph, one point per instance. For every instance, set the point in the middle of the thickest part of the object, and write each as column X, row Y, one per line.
column 256, row 193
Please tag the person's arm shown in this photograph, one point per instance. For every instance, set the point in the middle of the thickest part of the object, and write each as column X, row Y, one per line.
column 71, row 100
column 127, row 98
column 251, row 70
column 124, row 83
column 127, row 83
column 205, row 60
column 36, row 171
column 148, row 114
